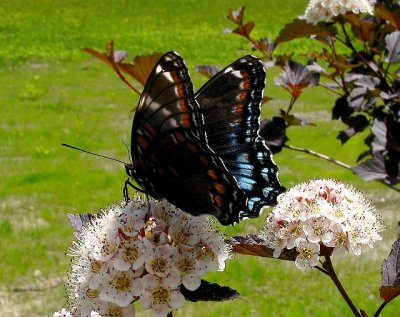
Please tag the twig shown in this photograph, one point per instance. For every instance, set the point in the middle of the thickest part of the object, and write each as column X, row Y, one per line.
column 334, row 161
column 380, row 309
column 319, row 155
column 339, row 286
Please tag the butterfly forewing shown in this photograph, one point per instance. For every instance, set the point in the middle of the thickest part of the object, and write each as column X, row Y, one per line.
column 230, row 103
column 170, row 155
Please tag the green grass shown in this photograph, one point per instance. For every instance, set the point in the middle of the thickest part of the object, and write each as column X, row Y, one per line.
column 52, row 93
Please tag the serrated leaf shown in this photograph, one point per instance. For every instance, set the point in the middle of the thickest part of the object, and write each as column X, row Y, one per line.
column 393, row 47
column 300, row 28
column 141, row 66
column 379, row 132
column 391, row 274
column 372, row 169
column 245, row 29
column 236, row 16
column 208, row 70
column 296, row 77
column 392, row 16
column 210, row 292
column 104, row 57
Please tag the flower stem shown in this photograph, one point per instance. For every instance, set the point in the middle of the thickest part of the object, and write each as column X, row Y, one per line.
column 380, row 309
column 332, row 274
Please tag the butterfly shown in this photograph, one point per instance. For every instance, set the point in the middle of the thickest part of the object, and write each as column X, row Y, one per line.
column 202, row 151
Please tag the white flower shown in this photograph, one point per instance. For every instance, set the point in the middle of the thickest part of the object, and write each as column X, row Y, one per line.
column 318, row 230
column 130, row 255
column 118, row 287
column 159, row 261
column 160, row 294
column 143, row 250
column 190, row 271
column 321, row 212
column 308, row 253
column 325, row 10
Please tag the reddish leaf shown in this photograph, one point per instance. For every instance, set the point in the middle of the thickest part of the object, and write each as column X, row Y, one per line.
column 236, row 16
column 391, row 274
column 299, row 28
column 141, row 67
column 392, row 16
column 245, row 29
column 101, row 56
column 256, row 246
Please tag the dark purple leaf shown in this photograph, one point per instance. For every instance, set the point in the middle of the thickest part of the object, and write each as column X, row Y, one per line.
column 299, row 28
column 393, row 47
column 257, row 246
column 296, row 77
column 372, row 169
column 342, row 108
column 210, row 292
column 391, row 274
column 274, row 133
column 380, row 167
column 356, row 124
column 208, row 70
column 379, row 133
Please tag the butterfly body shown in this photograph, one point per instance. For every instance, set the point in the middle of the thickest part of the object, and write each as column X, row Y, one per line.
column 195, row 155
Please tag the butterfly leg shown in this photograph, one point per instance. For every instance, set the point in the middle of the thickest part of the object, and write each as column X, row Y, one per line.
column 125, row 190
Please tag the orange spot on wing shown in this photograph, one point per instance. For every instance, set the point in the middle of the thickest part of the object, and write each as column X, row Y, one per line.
column 220, row 188
column 186, row 120
column 149, row 128
column 180, row 137
column 143, row 143
column 219, row 201
column 203, row 160
column 212, row 174
column 193, row 148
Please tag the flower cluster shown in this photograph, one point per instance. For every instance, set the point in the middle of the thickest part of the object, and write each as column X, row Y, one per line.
column 143, row 251
column 321, row 215
column 325, row 10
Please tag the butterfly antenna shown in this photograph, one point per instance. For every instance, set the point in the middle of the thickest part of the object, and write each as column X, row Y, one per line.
column 128, row 150
column 95, row 154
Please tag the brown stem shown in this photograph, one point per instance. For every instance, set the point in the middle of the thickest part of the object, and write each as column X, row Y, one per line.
column 332, row 160
column 332, row 274
column 380, row 309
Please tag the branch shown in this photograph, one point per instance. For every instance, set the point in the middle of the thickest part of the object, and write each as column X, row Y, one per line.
column 334, row 161
column 339, row 286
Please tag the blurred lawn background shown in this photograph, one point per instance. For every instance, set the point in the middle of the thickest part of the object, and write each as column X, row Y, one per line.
column 52, row 92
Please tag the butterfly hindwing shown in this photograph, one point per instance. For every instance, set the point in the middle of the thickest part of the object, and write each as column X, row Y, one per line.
column 230, row 102
column 170, row 155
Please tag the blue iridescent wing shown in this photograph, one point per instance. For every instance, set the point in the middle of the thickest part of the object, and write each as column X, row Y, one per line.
column 230, row 102
column 170, row 155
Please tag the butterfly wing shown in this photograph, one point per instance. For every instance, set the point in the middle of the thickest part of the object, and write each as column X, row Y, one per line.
column 230, row 102
column 170, row 155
